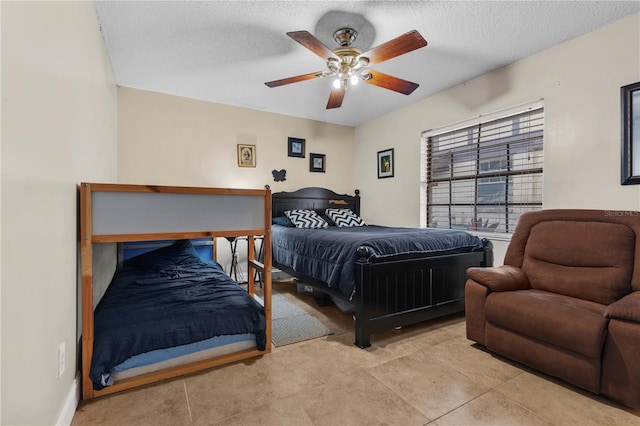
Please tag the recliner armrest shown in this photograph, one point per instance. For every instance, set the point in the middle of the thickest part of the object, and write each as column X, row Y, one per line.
column 500, row 278
column 627, row 308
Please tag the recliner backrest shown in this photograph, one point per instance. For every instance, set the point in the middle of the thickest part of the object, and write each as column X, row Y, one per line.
column 587, row 254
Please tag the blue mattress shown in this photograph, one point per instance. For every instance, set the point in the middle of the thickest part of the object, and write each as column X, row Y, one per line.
column 168, row 298
column 160, row 355
column 329, row 254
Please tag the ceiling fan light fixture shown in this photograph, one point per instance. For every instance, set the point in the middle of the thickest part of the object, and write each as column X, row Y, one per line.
column 353, row 79
column 333, row 64
column 337, row 83
column 360, row 64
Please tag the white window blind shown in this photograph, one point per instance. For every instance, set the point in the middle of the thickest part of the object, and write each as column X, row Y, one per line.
column 482, row 176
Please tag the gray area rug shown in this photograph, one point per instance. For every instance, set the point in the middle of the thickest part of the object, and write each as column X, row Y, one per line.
column 291, row 324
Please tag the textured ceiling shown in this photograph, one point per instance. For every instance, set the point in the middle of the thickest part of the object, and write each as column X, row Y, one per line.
column 224, row 51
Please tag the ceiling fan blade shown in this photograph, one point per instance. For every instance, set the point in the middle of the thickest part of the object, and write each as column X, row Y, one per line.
column 336, row 97
column 307, row 39
column 295, row 79
column 390, row 82
column 398, row 46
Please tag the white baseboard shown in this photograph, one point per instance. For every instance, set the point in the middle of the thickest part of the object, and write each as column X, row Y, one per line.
column 70, row 403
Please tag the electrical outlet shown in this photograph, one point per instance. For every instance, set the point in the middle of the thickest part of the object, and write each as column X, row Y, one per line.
column 61, row 359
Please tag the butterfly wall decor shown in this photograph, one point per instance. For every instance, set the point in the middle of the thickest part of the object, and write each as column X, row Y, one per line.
column 279, row 175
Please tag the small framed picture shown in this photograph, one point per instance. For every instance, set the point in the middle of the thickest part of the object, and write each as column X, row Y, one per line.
column 246, row 155
column 296, row 147
column 317, row 162
column 385, row 163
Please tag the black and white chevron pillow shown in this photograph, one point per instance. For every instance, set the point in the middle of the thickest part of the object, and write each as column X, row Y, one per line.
column 306, row 219
column 344, row 217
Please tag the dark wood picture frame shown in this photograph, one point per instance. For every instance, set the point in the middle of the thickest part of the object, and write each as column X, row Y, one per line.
column 630, row 165
column 295, row 147
column 385, row 163
column 317, row 162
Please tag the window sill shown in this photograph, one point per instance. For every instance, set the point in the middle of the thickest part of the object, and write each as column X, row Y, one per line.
column 493, row 236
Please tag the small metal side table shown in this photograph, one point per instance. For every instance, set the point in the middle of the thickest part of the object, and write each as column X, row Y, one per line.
column 235, row 268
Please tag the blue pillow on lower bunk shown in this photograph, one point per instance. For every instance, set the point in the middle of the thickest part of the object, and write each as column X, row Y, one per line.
column 282, row 220
column 180, row 252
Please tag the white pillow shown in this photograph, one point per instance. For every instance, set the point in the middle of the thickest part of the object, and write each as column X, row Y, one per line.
column 344, row 217
column 306, row 219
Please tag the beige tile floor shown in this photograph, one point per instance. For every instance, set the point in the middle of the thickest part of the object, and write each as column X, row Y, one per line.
column 425, row 374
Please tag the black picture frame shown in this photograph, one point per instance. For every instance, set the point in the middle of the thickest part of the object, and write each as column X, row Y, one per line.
column 295, row 147
column 630, row 105
column 385, row 163
column 317, row 162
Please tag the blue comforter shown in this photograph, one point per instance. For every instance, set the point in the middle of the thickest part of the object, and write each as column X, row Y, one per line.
column 146, row 309
column 329, row 254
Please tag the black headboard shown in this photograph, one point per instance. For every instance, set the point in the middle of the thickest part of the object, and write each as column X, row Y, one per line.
column 317, row 199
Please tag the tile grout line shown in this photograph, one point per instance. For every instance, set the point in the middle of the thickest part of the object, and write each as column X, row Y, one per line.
column 463, row 404
column 366, row 370
column 186, row 394
column 531, row 410
column 455, row 408
column 491, row 388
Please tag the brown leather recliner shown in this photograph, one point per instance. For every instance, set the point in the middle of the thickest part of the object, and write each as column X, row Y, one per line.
column 567, row 300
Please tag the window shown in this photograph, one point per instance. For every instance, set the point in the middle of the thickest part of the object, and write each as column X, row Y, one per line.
column 482, row 175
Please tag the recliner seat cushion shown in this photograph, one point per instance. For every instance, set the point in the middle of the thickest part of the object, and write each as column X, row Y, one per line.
column 565, row 322
column 586, row 260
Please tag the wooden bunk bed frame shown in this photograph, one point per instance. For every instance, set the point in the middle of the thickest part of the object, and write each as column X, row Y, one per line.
column 151, row 213
column 390, row 292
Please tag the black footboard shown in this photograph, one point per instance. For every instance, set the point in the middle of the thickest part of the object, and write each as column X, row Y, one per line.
column 393, row 293
column 398, row 292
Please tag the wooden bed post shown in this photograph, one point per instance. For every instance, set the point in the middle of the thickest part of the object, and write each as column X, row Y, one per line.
column 262, row 265
column 251, row 270
column 87, row 288
column 362, row 314
column 266, row 275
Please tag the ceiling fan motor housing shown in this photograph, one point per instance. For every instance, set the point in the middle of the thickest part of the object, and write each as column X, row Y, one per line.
column 349, row 64
column 345, row 36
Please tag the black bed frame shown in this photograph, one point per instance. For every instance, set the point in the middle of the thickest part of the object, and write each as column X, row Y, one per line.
column 390, row 292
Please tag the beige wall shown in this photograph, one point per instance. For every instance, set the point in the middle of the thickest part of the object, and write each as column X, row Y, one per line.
column 164, row 139
column 580, row 83
column 170, row 140
column 58, row 129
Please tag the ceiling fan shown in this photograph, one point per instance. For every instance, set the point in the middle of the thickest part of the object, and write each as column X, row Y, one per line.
column 349, row 64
